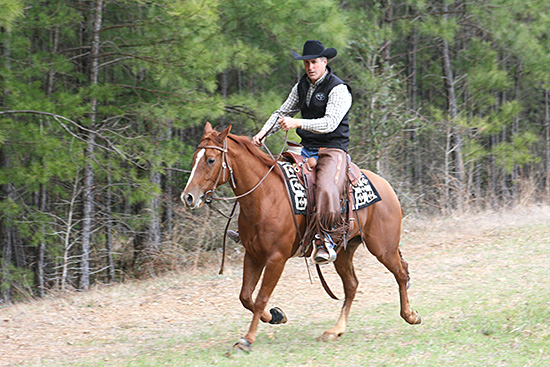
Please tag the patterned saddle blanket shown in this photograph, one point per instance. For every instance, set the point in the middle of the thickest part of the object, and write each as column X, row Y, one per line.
column 363, row 192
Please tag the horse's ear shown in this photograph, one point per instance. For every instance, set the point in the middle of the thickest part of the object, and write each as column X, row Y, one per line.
column 224, row 133
column 207, row 127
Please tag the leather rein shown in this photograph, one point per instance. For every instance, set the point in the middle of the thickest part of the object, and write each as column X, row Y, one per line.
column 226, row 165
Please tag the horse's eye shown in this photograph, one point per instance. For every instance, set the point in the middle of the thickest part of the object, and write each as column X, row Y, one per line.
column 211, row 160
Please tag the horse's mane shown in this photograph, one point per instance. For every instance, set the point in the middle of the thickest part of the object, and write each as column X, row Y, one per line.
column 245, row 143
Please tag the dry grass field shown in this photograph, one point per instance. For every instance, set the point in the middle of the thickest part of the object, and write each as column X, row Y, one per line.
column 479, row 281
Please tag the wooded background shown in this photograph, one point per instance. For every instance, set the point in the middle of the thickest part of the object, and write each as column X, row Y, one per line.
column 103, row 102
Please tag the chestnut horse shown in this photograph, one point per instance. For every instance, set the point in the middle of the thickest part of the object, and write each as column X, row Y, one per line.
column 268, row 231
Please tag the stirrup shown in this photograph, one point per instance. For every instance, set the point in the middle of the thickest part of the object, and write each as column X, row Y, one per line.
column 234, row 235
column 325, row 246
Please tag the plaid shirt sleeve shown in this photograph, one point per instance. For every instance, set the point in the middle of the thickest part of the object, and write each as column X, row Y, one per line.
column 338, row 104
column 289, row 108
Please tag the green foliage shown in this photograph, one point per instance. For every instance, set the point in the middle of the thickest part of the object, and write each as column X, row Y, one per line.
column 484, row 74
column 437, row 26
column 517, row 152
column 495, row 121
column 11, row 10
column 169, row 66
column 23, row 278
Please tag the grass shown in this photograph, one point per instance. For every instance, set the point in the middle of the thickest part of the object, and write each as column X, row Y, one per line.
column 484, row 302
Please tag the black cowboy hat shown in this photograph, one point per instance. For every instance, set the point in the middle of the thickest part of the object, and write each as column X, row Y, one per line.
column 314, row 49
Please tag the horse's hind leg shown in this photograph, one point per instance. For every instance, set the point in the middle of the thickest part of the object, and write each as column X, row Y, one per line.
column 394, row 262
column 344, row 267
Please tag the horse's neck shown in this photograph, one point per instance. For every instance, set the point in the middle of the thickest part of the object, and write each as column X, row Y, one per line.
column 250, row 178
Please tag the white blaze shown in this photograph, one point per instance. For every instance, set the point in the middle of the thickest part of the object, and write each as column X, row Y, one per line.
column 199, row 157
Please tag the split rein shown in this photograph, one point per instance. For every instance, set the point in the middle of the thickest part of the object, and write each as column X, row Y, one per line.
column 226, row 165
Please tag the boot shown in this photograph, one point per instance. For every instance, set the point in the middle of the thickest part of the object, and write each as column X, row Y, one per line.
column 323, row 250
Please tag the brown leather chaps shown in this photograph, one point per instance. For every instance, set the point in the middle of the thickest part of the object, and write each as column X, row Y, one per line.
column 330, row 190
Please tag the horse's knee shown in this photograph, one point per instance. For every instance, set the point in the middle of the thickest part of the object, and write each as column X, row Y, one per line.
column 349, row 281
column 246, row 300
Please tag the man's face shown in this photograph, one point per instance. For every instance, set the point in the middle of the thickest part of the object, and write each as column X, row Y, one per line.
column 315, row 68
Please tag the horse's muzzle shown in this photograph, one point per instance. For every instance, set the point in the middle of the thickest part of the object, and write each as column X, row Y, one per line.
column 190, row 201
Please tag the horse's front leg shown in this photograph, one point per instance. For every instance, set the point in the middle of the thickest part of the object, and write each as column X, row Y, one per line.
column 251, row 275
column 252, row 270
column 273, row 270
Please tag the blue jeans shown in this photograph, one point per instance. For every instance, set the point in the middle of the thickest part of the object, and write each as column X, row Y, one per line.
column 308, row 153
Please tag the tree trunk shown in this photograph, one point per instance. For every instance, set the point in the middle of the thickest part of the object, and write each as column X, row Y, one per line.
column 413, row 106
column 42, row 247
column 447, row 171
column 7, row 250
column 88, row 200
column 51, row 73
column 41, row 274
column 169, row 194
column 88, row 196
column 6, row 235
column 516, row 177
column 456, row 143
column 5, row 230
column 387, row 5
column 385, row 52
column 155, row 237
column 109, row 230
column 547, row 141
column 67, row 243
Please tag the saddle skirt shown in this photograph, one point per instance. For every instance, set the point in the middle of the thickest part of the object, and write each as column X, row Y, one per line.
column 300, row 178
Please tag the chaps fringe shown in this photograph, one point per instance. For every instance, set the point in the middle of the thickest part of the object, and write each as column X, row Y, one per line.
column 327, row 223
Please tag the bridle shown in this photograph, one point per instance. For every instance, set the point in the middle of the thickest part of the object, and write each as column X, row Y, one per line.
column 226, row 165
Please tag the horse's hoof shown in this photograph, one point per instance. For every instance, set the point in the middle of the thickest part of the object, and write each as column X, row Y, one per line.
column 243, row 345
column 418, row 319
column 414, row 318
column 277, row 316
column 326, row 337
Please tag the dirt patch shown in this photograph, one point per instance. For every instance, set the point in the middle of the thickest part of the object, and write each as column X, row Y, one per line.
column 111, row 320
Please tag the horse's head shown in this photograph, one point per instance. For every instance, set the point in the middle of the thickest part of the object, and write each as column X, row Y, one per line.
column 209, row 166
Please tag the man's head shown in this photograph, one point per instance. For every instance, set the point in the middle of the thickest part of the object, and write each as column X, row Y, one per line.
column 315, row 68
column 315, row 57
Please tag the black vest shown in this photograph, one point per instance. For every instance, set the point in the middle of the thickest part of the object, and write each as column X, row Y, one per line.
column 339, row 138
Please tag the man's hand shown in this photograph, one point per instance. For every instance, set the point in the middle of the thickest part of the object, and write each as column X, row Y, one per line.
column 259, row 138
column 289, row 123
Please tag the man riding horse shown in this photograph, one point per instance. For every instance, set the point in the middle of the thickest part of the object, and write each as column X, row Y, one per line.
column 324, row 101
column 266, row 229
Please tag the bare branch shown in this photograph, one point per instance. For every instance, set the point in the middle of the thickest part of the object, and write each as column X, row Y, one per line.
column 111, row 147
